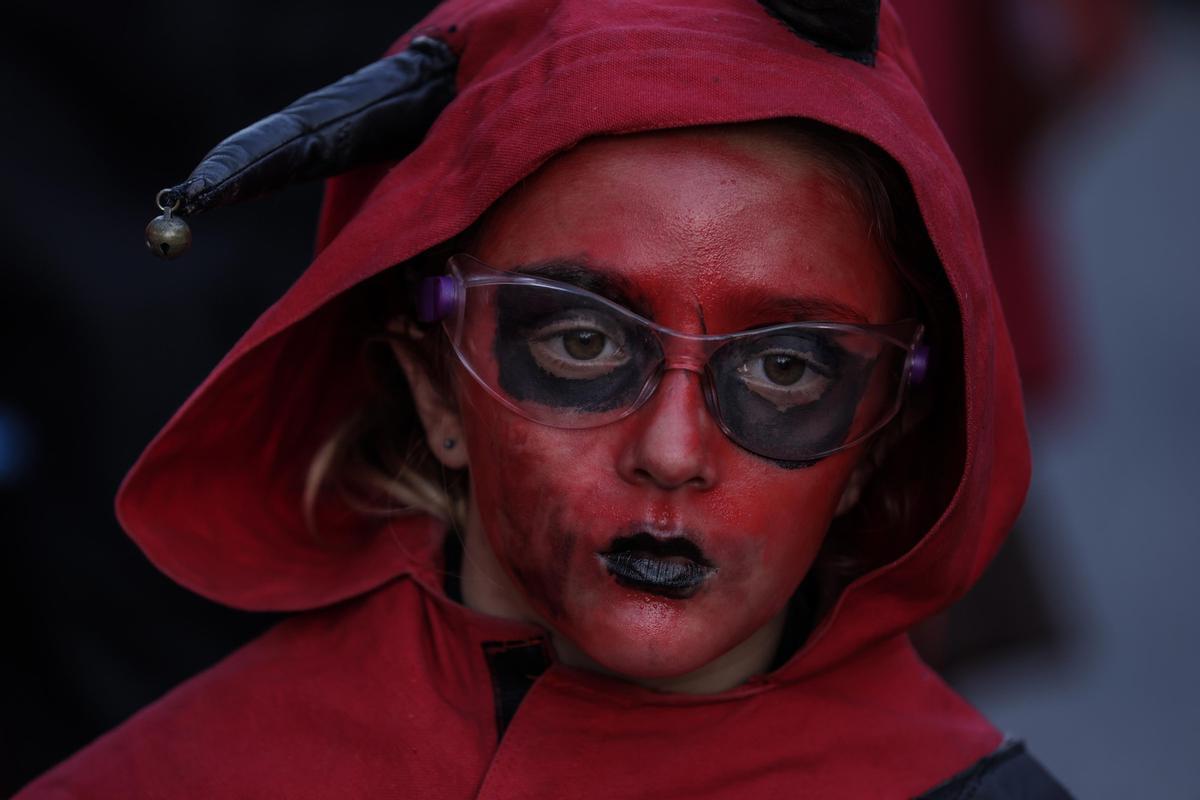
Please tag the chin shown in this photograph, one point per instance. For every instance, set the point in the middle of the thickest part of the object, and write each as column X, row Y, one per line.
column 640, row 636
column 640, row 659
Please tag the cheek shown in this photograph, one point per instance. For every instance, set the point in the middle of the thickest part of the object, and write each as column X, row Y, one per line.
column 787, row 512
column 501, row 445
column 525, row 479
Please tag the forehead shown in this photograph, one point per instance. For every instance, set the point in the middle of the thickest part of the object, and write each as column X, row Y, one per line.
column 700, row 222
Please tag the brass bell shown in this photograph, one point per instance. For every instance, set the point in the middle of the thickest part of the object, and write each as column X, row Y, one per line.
column 168, row 236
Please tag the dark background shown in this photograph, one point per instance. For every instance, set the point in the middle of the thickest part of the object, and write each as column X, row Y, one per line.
column 102, row 342
column 104, row 105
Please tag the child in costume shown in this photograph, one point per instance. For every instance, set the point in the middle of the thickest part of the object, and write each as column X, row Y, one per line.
column 627, row 418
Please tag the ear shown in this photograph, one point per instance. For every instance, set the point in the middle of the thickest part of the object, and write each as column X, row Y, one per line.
column 877, row 451
column 869, row 462
column 439, row 414
column 854, row 487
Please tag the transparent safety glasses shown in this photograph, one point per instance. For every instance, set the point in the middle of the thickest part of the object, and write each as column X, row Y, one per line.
column 569, row 358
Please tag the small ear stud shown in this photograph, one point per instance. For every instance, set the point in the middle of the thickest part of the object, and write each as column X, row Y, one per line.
column 449, row 444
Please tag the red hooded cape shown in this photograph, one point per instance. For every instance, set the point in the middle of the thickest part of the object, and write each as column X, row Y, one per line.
column 383, row 683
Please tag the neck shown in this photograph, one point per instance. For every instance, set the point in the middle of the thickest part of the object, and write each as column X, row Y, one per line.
column 488, row 589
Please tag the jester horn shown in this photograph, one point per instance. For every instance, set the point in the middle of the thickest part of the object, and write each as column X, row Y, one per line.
column 379, row 113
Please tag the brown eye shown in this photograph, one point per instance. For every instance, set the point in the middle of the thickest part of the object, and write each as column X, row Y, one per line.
column 583, row 345
column 783, row 370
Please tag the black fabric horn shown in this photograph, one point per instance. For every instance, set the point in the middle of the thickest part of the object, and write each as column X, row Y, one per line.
column 847, row 28
column 379, row 113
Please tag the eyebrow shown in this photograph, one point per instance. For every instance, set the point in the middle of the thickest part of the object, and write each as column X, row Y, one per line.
column 804, row 309
column 608, row 285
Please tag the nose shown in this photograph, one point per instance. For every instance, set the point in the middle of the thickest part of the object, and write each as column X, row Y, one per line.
column 671, row 437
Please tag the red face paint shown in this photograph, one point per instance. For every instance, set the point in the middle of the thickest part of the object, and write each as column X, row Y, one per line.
column 710, row 229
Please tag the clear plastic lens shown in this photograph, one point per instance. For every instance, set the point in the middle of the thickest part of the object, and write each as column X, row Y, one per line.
column 565, row 357
column 827, row 390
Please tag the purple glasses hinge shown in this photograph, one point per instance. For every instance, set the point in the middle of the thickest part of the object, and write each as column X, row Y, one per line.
column 918, row 364
column 436, row 298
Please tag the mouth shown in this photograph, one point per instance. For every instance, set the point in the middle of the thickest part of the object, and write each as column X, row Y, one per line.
column 673, row 567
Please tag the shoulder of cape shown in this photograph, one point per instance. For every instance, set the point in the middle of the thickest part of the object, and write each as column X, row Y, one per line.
column 1010, row 773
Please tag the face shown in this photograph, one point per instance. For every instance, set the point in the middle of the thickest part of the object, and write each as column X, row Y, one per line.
column 711, row 231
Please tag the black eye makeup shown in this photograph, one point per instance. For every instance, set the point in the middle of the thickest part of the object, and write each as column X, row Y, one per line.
column 579, row 346
column 790, row 393
column 560, row 349
column 788, row 369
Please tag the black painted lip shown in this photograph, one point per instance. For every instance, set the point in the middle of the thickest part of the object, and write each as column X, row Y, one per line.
column 672, row 567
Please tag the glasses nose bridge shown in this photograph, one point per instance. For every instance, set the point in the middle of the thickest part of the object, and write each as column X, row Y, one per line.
column 684, row 363
column 684, row 352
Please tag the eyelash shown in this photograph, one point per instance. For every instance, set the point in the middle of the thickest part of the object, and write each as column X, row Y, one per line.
column 548, row 350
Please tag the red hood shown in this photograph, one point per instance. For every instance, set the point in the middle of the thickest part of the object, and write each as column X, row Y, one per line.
column 215, row 501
